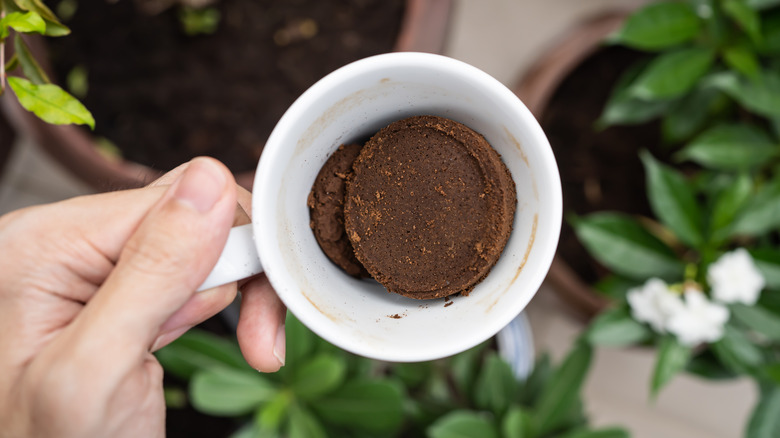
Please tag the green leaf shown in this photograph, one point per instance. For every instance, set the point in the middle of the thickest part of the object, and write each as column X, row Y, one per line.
column 688, row 115
column 21, row 22
column 303, row 424
column 616, row 328
column 462, row 424
column 51, row 103
column 758, row 319
column 53, row 25
column 175, row 398
column 770, row 25
column 658, row 26
column 727, row 206
column 464, row 368
column 363, row 404
column 198, row 350
column 764, row 421
column 706, row 365
column 412, row 374
column 563, row 390
column 622, row 108
column 742, row 59
column 731, row 147
column 737, row 352
column 626, row 248
column 760, row 95
column 761, row 214
column 319, row 376
column 517, row 423
column 612, row 432
column 672, row 74
column 768, row 262
column 535, row 383
column 672, row 358
column 299, row 341
column 673, row 201
column 615, row 287
column 30, row 66
column 496, row 385
column 270, row 416
column 229, row 392
column 745, row 17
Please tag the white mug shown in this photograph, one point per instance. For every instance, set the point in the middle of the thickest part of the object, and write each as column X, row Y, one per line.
column 360, row 316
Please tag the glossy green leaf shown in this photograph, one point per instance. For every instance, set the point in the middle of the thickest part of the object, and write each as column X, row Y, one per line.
column 764, row 421
column 658, row 26
column 768, row 263
column 672, row 358
column 727, row 206
column 612, row 432
column 731, row 147
column 616, row 328
column 363, row 404
column 688, row 115
column 318, row 376
column 761, row 213
column 53, row 25
column 760, row 95
column 51, row 103
column 737, row 352
column 30, row 66
column 672, row 74
column 496, row 385
column 270, row 416
column 303, row 424
column 563, row 390
column 626, row 248
column 199, row 350
column 517, row 423
column 462, row 424
column 745, row 17
column 758, row 319
column 229, row 392
column 742, row 59
column 673, row 201
column 29, row 22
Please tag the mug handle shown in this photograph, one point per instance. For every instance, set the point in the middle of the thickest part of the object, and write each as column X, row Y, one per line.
column 238, row 260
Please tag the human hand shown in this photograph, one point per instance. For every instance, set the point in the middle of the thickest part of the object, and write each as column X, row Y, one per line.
column 93, row 285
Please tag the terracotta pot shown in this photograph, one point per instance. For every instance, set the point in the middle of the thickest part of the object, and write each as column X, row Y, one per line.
column 535, row 89
column 423, row 29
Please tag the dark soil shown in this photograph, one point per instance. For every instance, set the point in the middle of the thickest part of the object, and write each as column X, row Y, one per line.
column 164, row 97
column 600, row 171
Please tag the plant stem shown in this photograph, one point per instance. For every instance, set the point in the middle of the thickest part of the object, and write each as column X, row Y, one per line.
column 2, row 53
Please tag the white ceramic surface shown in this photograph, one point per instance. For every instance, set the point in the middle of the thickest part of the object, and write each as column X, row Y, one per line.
column 351, row 104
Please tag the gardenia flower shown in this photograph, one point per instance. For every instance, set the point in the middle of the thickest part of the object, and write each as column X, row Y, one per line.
column 734, row 278
column 654, row 303
column 699, row 320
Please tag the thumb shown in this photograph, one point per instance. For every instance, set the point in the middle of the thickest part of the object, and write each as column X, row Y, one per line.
column 169, row 255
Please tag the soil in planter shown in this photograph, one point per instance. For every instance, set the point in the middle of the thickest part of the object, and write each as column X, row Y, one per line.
column 600, row 171
column 164, row 97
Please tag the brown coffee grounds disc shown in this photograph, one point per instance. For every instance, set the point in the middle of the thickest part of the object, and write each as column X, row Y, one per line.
column 326, row 209
column 429, row 207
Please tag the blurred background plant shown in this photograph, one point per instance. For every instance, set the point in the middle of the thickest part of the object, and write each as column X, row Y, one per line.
column 323, row 391
column 700, row 281
column 35, row 91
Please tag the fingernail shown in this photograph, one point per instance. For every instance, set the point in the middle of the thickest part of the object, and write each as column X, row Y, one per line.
column 279, row 345
column 201, row 186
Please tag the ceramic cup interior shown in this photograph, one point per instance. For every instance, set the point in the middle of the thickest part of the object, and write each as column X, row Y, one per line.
column 351, row 104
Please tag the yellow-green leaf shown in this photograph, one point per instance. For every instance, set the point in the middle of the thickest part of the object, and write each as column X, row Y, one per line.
column 30, row 22
column 51, row 103
column 30, row 66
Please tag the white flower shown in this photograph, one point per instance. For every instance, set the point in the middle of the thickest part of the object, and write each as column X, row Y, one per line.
column 699, row 320
column 734, row 278
column 654, row 303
